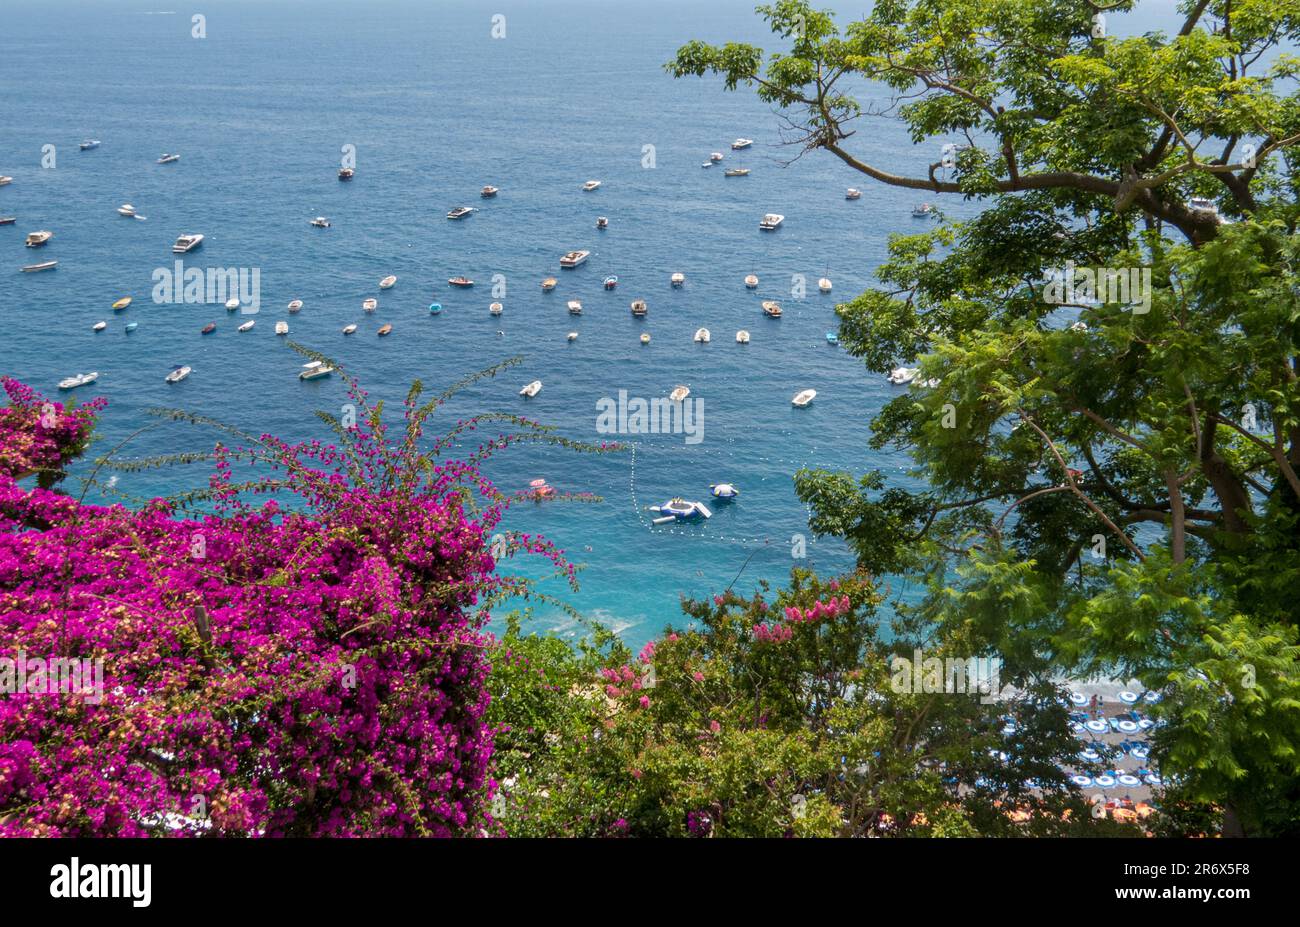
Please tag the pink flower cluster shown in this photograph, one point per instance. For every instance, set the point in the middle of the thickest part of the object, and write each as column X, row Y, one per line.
column 778, row 633
column 40, row 435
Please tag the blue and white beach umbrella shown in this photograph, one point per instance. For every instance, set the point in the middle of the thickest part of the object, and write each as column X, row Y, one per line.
column 1127, row 697
column 1097, row 727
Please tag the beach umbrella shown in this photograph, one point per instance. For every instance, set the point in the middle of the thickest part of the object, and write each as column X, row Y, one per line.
column 1141, row 752
column 1081, row 780
column 1146, row 724
column 1127, row 697
column 1090, row 755
column 1105, row 780
column 1151, row 696
column 1078, row 698
column 1128, row 727
column 1097, row 727
column 1128, row 779
column 1154, row 779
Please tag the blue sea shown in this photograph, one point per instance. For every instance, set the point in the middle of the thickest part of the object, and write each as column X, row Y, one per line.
column 435, row 106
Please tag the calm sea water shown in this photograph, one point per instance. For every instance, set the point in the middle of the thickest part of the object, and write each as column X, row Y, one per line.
column 436, row 107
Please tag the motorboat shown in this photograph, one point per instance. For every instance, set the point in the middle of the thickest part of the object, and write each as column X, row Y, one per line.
column 44, row 265
column 742, row 337
column 294, row 305
column 680, row 510
column 715, row 157
column 736, row 172
column 169, row 158
column 741, row 144
column 232, row 304
column 460, row 212
column 178, row 374
column 126, row 210
column 8, row 220
column 247, row 326
column 645, row 337
column 496, row 308
column 489, row 191
column 702, row 335
column 99, row 326
column 122, row 303
column 804, row 397
column 349, row 329
column 824, row 284
column 923, row 210
column 602, row 222
column 282, row 327
column 639, row 307
column 548, row 284
column 435, row 308
column 388, row 282
column 771, row 221
column 611, row 281
column 707, row 164
column 463, row 282
column 89, row 144
column 320, row 222
column 36, row 239
column 130, row 327
column 677, row 279
column 314, row 370
column 346, row 173
column 574, row 258
column 208, row 329
column 575, row 307
column 5, row 180
column 853, row 193
column 679, row 393
column 591, row 185
column 772, row 309
column 1202, row 204
column 370, row 304
column 832, row 338
column 384, row 329
column 187, row 243
column 901, row 376
column 751, row 282
column 724, row 491
column 80, row 379
column 531, row 390
column 571, row 336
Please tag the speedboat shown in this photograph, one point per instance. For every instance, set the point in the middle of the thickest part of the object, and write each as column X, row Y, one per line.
column 122, row 303
column 8, row 220
column 741, row 143
column 387, row 282
column 680, row 510
column 702, row 335
column 742, row 337
column 832, row 338
column 80, row 379
column 736, row 172
column 461, row 281
column 572, row 336
column 435, row 308
column 460, row 212
column 44, row 265
column 803, row 397
column 496, row 308
column 99, row 326
column 575, row 307
column 531, row 390
column 384, row 329
column 716, row 156
column 282, row 327
column 36, row 239
column 294, row 305
column 751, row 281
column 126, row 210
column 639, row 307
column 923, row 210
column 349, row 329
column 246, row 327
column 232, row 304
column 679, row 393
column 208, row 329
column 5, row 180
column 724, row 491
column 370, row 304
column 169, row 158
column 187, row 243
column 852, row 193
column 645, row 337
column 771, row 221
column 677, row 279
column 177, row 374
column 574, row 258
column 602, row 222
column 824, row 284
column 1202, row 204
column 89, row 144
column 320, row 222
column 130, row 327
column 591, row 185
column 489, row 191
column 611, row 281
column 901, row 376
column 548, row 284
column 772, row 309
column 707, row 164
column 314, row 370
column 346, row 173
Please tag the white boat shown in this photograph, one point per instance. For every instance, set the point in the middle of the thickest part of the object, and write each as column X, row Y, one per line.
column 548, row 284
column 294, row 305
column 247, row 326
column 707, row 164
column 531, row 390
column 677, row 279
column 824, row 284
column 736, row 172
column 901, row 376
column 80, row 379
column 44, row 265
column 99, row 326
column 751, row 282
column 5, row 180
column 349, row 329
column 679, row 393
column 169, row 158
column 187, row 243
column 489, row 191
column 177, row 374
column 232, row 304
column 575, row 307
column 370, row 304
column 639, row 308
column 314, row 370
column 282, row 327
column 741, row 143
column 388, row 282
column 89, row 144
column 346, row 173
column 572, row 336
column 496, row 308
column 852, row 193
column 602, row 222
column 803, row 397
column 591, row 185
column 1202, row 204
column 127, row 210
column 702, row 335
column 771, row 309
column 574, row 258
column 922, row 210
column 36, row 239
column 679, row 510
column 771, row 221
column 742, row 337
column 460, row 212
column 645, row 337
column 320, row 222
column 716, row 156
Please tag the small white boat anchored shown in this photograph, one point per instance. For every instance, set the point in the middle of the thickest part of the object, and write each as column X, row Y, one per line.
column 187, row 243
column 645, row 337
column 246, row 327
column 496, row 308
column 489, row 191
column 824, row 284
column 370, row 304
column 80, row 379
column 460, row 212
column 751, row 282
column 574, row 258
column 852, row 193
column 388, row 282
column 771, row 309
column 901, row 376
column 702, row 335
column 349, row 329
column 923, row 210
column 99, row 326
column 232, row 304
column 5, row 180
column 771, row 222
column 282, row 327
column 724, row 491
column 178, row 374
column 531, row 390
column 591, row 185
column 575, row 307
column 36, row 239
column 639, row 308
column 742, row 337
column 294, row 305
column 741, row 143
column 803, row 398
column 677, row 279
column 314, row 370
column 716, row 156
column 126, row 210
column 320, row 222
column 169, row 158
column 680, row 510
column 89, row 144
column 679, row 393
column 44, row 265
column 602, row 222
column 736, row 172
column 572, row 336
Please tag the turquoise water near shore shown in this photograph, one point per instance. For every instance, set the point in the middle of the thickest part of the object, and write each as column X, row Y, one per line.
column 436, row 107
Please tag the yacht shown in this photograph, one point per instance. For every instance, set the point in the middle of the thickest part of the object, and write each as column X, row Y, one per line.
column 178, row 374
column 89, row 144
column 346, row 173
column 36, row 239
column 548, row 284
column 387, row 282
column 679, row 393
column 320, row 222
column 677, row 279
column 591, row 185
column 122, row 303
column 742, row 337
column 602, row 222
column 246, row 327
column 99, row 326
column 496, row 309
column 489, row 191
column 639, row 307
column 232, row 304
column 611, row 281
column 208, row 329
column 741, row 143
column 463, row 282
column 44, row 265
column 575, row 307
column 349, row 329
column 169, row 158
column 187, row 243
column 282, row 327
column 294, row 305
column 314, row 370
column 803, row 397
column 460, row 212
column 771, row 221
column 702, row 335
column 370, row 304
column 901, row 376
column 736, row 172
column 531, row 390
column 574, row 258
column 824, row 284
column 81, row 379
column 772, row 309
column 853, row 193
column 384, row 329
column 751, row 282
column 126, row 210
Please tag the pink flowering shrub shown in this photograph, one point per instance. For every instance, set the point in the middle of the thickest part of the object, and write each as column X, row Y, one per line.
column 39, row 436
column 311, row 665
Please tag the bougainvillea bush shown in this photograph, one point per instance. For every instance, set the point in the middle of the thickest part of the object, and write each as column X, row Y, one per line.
column 312, row 664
